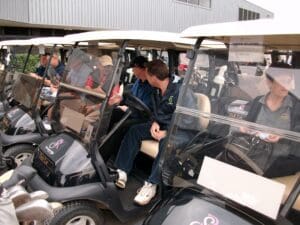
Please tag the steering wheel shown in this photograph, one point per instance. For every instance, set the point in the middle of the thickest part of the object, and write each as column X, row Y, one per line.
column 241, row 151
column 137, row 104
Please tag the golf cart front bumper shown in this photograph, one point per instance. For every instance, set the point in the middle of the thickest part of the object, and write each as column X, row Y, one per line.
column 29, row 177
column 33, row 138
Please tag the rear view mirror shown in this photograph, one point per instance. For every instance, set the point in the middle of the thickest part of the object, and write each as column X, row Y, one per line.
column 190, row 54
column 259, row 72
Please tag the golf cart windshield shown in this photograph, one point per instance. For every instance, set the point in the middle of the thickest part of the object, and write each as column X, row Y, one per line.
column 26, row 75
column 25, row 90
column 13, row 60
column 239, row 106
column 80, row 96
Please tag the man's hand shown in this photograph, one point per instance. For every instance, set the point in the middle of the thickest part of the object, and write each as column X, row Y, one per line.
column 90, row 108
column 99, row 90
column 53, row 88
column 156, row 133
column 35, row 75
column 115, row 100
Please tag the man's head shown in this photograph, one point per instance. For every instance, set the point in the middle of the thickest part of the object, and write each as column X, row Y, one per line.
column 280, row 78
column 105, row 66
column 156, row 72
column 138, row 65
column 44, row 59
column 54, row 60
column 105, row 60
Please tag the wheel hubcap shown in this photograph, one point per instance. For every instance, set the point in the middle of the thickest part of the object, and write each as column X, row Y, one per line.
column 21, row 157
column 81, row 220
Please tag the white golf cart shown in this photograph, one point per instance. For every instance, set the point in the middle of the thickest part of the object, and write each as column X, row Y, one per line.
column 253, row 176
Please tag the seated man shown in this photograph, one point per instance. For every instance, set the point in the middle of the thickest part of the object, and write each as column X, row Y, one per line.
column 164, row 102
column 99, row 81
column 54, row 72
column 141, row 89
column 79, row 70
column 40, row 70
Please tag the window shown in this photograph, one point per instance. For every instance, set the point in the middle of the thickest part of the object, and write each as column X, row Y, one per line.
column 203, row 3
column 245, row 14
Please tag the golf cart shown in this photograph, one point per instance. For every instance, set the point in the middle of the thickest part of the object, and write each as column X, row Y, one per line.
column 22, row 125
column 254, row 177
column 68, row 164
column 9, row 73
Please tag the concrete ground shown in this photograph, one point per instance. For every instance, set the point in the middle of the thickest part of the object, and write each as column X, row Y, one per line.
column 110, row 219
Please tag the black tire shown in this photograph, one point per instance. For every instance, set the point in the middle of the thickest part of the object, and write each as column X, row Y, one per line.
column 72, row 211
column 20, row 152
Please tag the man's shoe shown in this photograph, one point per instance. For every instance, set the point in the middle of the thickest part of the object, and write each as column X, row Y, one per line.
column 145, row 194
column 122, row 179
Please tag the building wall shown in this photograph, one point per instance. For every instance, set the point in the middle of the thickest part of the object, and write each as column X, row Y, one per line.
column 15, row 10
column 161, row 15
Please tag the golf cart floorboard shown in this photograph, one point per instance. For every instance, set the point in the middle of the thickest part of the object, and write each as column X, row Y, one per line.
column 127, row 195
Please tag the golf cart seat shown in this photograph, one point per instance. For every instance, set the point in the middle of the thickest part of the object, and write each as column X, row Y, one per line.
column 151, row 147
column 289, row 182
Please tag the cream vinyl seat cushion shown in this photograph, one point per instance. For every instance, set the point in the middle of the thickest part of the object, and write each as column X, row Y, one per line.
column 289, row 182
column 151, row 147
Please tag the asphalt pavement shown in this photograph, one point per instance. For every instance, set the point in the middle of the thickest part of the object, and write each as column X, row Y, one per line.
column 110, row 219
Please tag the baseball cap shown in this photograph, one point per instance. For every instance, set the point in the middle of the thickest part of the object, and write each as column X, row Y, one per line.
column 139, row 61
column 105, row 60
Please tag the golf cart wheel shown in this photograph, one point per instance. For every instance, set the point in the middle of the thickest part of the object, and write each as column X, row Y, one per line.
column 20, row 152
column 78, row 213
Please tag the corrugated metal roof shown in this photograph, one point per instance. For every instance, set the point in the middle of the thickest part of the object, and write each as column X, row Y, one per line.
column 167, row 15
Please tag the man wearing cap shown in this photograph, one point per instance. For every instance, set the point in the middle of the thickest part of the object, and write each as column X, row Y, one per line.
column 141, row 89
column 99, row 79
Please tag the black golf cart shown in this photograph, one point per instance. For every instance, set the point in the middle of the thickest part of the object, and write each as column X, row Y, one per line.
column 68, row 164
column 254, row 176
column 9, row 73
column 22, row 125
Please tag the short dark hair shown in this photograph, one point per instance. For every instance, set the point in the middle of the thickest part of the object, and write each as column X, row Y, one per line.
column 139, row 61
column 158, row 68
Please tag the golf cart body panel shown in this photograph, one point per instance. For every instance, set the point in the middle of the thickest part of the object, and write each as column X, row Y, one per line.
column 191, row 207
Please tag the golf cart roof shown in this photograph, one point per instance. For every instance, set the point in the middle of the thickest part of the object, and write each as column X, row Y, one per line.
column 50, row 41
column 15, row 43
column 153, row 39
column 269, row 31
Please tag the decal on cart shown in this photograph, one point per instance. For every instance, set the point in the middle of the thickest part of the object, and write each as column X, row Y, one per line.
column 54, row 146
column 208, row 220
